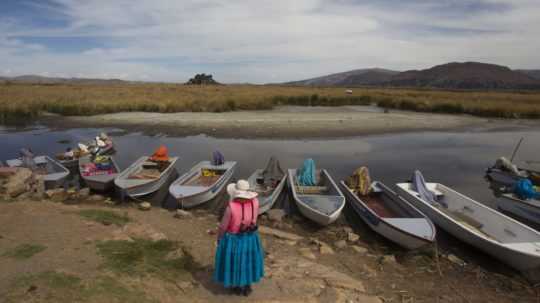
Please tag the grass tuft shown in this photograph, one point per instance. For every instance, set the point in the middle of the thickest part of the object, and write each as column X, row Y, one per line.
column 105, row 217
column 144, row 256
column 24, row 251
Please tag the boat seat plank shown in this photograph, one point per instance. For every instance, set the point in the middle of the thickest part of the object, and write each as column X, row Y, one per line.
column 416, row 226
column 311, row 190
column 200, row 180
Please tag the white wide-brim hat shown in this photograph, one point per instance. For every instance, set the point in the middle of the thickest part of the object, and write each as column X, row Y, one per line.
column 241, row 190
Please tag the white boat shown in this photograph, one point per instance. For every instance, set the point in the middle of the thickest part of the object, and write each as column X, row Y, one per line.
column 100, row 180
column 54, row 174
column 480, row 226
column 322, row 203
column 391, row 216
column 527, row 209
column 136, row 181
column 267, row 194
column 202, row 183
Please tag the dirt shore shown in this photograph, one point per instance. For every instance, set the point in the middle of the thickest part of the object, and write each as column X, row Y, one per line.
column 285, row 122
column 81, row 258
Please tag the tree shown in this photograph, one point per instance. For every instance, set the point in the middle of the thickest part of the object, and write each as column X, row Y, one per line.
column 202, row 79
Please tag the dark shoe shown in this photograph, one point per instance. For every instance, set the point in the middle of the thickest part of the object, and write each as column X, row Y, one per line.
column 247, row 290
column 236, row 291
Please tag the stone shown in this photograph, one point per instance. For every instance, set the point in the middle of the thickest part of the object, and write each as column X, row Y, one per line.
column 57, row 195
column 175, row 254
column 143, row 231
column 307, row 253
column 6, row 172
column 456, row 260
column 389, row 259
column 326, row 250
column 368, row 271
column 182, row 214
column 276, row 215
column 18, row 183
column 340, row 244
column 352, row 237
column 96, row 198
column 84, row 192
column 119, row 235
column 347, row 229
column 145, row 206
column 359, row 249
column 279, row 234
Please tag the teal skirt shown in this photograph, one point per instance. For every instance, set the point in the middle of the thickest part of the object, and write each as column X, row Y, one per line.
column 239, row 260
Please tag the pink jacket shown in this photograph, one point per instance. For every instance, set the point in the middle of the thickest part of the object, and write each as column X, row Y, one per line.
column 232, row 219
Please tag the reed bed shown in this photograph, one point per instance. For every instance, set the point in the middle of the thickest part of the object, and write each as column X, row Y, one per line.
column 26, row 100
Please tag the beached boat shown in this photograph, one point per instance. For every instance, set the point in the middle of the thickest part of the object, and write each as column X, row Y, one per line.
column 54, row 174
column 201, row 183
column 322, row 203
column 72, row 163
column 98, row 179
column 480, row 226
column 267, row 194
column 391, row 216
column 137, row 180
column 527, row 209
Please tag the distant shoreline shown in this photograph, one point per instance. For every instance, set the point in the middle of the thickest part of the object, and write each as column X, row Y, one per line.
column 284, row 122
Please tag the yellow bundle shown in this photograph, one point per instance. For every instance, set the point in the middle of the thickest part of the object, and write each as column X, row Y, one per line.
column 360, row 181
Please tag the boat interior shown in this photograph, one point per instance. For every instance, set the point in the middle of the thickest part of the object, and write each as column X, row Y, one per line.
column 205, row 177
column 324, row 197
column 150, row 170
column 388, row 205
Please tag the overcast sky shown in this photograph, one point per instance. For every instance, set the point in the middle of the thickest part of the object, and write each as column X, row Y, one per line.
column 259, row 41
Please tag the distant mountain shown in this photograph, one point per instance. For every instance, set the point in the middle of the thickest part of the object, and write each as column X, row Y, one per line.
column 468, row 75
column 33, row 79
column 533, row 73
column 367, row 76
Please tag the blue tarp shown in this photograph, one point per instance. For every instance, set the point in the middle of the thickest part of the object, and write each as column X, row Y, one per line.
column 524, row 189
column 306, row 174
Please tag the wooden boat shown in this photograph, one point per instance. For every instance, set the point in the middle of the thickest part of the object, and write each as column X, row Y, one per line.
column 526, row 209
column 99, row 181
column 201, row 183
column 267, row 195
column 480, row 226
column 136, row 181
column 391, row 216
column 54, row 174
column 322, row 203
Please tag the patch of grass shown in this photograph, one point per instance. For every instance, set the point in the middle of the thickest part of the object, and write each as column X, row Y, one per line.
column 62, row 287
column 146, row 257
column 24, row 251
column 105, row 217
column 26, row 101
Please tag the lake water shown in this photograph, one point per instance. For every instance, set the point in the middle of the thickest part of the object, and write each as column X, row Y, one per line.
column 457, row 159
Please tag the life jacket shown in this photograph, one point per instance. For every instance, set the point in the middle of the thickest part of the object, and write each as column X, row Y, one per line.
column 161, row 154
column 240, row 222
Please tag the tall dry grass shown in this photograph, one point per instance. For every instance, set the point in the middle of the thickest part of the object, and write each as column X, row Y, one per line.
column 25, row 100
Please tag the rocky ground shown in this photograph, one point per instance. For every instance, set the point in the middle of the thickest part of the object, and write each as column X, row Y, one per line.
column 80, row 247
column 283, row 122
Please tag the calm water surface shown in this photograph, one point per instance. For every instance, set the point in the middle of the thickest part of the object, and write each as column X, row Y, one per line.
column 457, row 159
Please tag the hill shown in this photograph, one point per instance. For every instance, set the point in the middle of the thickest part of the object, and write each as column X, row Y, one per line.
column 367, row 76
column 533, row 73
column 34, row 79
column 468, row 75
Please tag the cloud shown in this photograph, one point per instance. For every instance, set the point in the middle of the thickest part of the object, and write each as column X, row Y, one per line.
column 261, row 41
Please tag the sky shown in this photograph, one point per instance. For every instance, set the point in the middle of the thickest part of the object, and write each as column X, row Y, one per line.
column 261, row 41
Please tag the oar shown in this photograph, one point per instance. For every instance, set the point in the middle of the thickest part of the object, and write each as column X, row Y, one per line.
column 516, row 149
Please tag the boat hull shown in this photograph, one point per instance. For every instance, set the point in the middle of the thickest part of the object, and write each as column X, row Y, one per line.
column 311, row 213
column 99, row 183
column 207, row 194
column 52, row 180
column 144, row 188
column 266, row 202
column 380, row 226
column 528, row 210
column 516, row 259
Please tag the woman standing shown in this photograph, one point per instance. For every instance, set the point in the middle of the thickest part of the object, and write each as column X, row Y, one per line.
column 239, row 256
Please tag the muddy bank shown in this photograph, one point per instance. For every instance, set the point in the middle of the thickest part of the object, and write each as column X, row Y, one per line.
column 284, row 122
